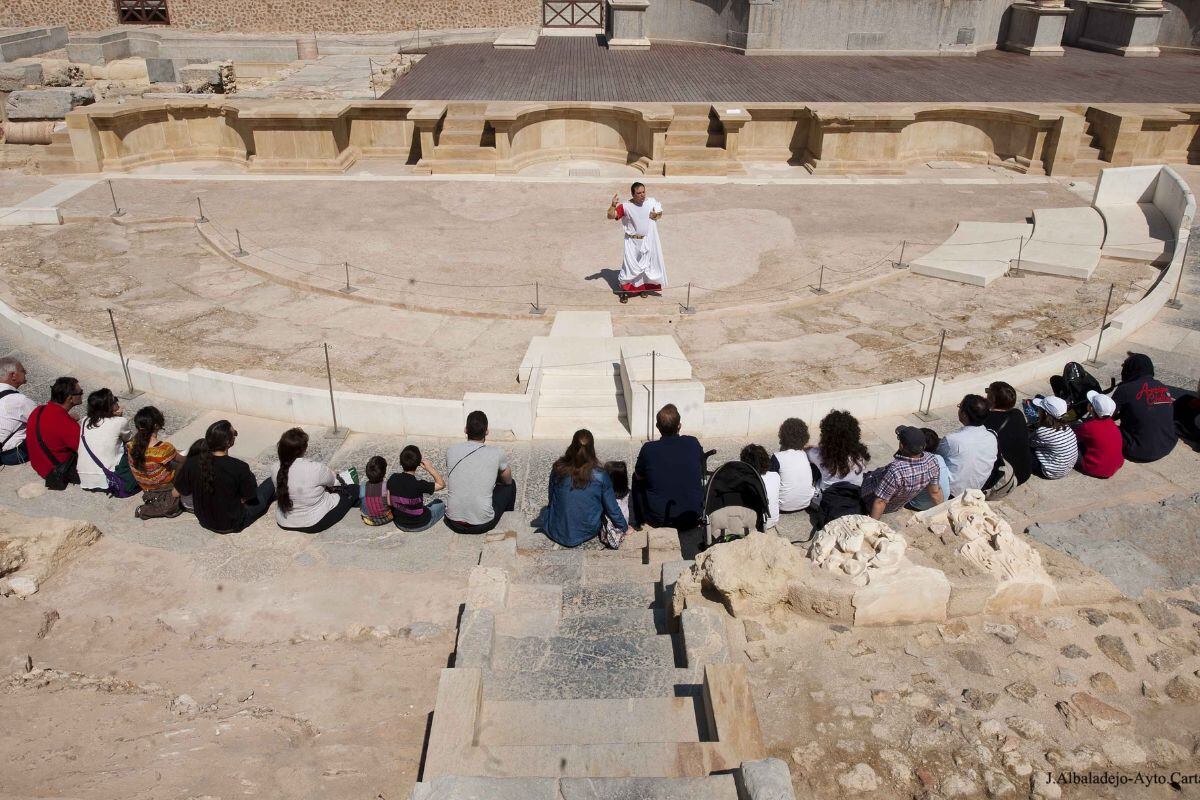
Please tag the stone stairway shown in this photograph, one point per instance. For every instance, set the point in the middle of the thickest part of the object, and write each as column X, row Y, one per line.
column 57, row 158
column 1089, row 157
column 567, row 683
column 695, row 143
column 593, row 393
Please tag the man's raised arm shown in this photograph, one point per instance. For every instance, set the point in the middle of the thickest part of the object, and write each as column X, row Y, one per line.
column 612, row 208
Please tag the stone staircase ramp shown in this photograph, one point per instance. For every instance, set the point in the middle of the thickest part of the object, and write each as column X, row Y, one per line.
column 458, row 787
column 1137, row 232
column 1065, row 241
column 977, row 253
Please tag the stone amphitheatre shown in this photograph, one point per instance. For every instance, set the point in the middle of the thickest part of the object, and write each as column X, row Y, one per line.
column 368, row 220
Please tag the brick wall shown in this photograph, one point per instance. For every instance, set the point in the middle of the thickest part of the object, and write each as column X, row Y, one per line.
column 265, row 16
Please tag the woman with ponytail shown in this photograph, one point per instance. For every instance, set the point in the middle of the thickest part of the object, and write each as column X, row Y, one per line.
column 581, row 496
column 153, row 463
column 309, row 497
column 226, row 497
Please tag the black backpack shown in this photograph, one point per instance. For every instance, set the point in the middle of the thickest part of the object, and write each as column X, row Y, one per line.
column 839, row 500
column 1073, row 387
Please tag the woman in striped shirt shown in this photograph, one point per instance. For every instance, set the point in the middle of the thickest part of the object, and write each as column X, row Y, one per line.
column 1055, row 448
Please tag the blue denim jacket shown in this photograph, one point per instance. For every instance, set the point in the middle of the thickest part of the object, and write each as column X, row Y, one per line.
column 573, row 515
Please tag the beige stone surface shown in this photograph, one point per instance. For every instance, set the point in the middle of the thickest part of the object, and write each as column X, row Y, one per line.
column 749, row 575
column 39, row 548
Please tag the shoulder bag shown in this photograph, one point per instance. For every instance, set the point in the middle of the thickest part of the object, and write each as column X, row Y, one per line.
column 118, row 486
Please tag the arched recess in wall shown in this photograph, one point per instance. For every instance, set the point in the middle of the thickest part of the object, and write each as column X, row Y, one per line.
column 1181, row 24
column 554, row 133
column 974, row 135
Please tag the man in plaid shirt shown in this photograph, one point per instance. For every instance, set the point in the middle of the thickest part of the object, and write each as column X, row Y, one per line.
column 911, row 472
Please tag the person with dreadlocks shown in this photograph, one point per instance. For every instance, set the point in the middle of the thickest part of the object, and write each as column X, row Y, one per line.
column 226, row 497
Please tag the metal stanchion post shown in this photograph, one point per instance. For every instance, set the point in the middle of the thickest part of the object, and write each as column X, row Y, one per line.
column 347, row 289
column 200, row 207
column 1183, row 265
column 1020, row 251
column 329, row 375
column 653, row 386
column 117, row 210
column 900, row 264
column 537, row 300
column 239, row 252
column 821, row 283
column 687, row 308
column 1095, row 359
column 371, row 67
column 121, row 355
column 937, row 367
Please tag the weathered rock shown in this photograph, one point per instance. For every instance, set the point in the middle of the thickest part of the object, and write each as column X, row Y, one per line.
column 1165, row 660
column 1184, row 603
column 1030, row 626
column 1041, row 789
column 1069, row 714
column 807, row 754
column 1075, row 651
column 185, row 706
column 1183, row 689
column 1114, row 648
column 979, row 699
column 1103, row 682
column 1159, row 615
column 997, row 784
column 20, row 586
column 749, row 575
column 31, row 490
column 1026, row 662
column 1100, row 714
column 1005, row 633
column 955, row 631
column 1165, row 753
column 1094, row 616
column 1122, row 751
column 420, row 631
column 767, row 778
column 860, row 779
column 974, row 661
column 959, row 786
column 1026, row 728
column 46, row 103
column 858, row 547
column 1149, row 692
column 1060, row 623
column 1024, row 691
column 63, row 73
column 1065, row 677
column 18, row 76
column 755, row 630
column 898, row 765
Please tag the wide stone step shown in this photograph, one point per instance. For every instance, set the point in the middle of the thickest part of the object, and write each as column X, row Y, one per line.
column 609, row 397
column 579, row 384
column 614, row 620
column 713, row 787
column 615, row 760
column 566, row 722
column 591, row 597
column 592, row 683
column 594, row 567
column 610, row 650
column 551, row 427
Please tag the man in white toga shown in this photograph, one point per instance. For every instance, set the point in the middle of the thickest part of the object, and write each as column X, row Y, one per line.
column 642, row 269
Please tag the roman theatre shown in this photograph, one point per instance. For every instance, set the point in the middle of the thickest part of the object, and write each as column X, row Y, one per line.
column 370, row 219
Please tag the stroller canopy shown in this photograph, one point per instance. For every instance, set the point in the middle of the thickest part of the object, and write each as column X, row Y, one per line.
column 736, row 483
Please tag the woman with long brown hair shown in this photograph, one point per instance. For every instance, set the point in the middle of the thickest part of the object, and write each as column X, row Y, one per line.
column 581, row 495
column 308, row 496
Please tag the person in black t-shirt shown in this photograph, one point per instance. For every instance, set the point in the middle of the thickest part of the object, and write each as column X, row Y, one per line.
column 407, row 492
column 668, row 489
column 1012, row 431
column 225, row 496
column 1145, row 411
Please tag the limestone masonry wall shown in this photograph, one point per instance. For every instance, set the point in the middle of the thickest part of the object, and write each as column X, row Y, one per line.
column 345, row 16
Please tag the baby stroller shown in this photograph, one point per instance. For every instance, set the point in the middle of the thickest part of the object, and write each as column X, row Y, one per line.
column 735, row 503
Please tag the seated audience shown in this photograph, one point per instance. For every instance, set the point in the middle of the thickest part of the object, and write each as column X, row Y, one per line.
column 103, row 434
column 580, row 495
column 1014, row 461
column 481, row 486
column 1099, row 439
column 970, row 452
column 756, row 456
column 407, row 493
column 308, row 495
column 225, row 496
column 374, row 504
column 14, row 413
column 1187, row 416
column 153, row 462
column 924, row 501
column 1145, row 411
column 840, row 456
column 53, row 438
column 911, row 471
column 793, row 467
column 1055, row 450
column 668, row 489
column 610, row 535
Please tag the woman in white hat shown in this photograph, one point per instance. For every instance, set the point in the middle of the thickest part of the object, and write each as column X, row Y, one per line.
column 1055, row 449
